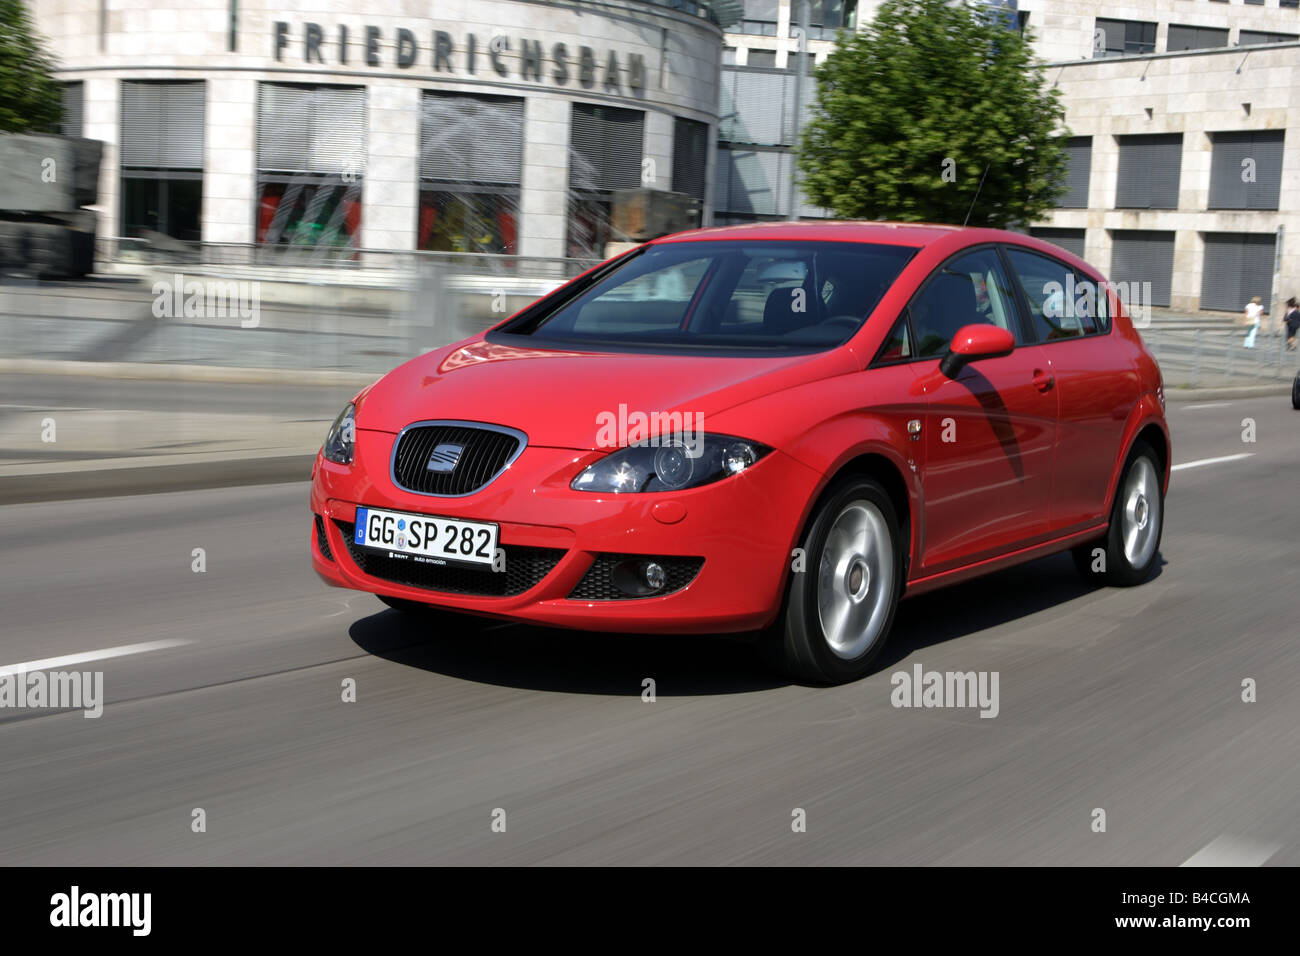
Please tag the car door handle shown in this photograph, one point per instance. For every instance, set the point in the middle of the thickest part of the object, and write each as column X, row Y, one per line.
column 1043, row 381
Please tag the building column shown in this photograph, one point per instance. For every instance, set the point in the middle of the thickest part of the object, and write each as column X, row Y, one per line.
column 100, row 121
column 390, row 185
column 544, row 199
column 230, row 159
column 657, row 151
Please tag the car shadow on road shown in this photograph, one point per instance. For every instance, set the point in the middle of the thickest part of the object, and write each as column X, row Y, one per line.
column 575, row 662
column 488, row 651
column 986, row 602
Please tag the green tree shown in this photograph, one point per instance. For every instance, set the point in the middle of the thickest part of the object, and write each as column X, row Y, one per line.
column 30, row 99
column 911, row 111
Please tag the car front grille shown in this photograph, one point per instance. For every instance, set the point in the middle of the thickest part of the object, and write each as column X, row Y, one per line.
column 598, row 584
column 525, row 567
column 485, row 452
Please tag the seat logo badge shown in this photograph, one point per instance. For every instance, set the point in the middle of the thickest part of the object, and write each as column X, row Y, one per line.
column 914, row 429
column 444, row 458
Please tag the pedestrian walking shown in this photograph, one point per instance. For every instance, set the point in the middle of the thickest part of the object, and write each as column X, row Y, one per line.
column 1254, row 311
column 1292, row 322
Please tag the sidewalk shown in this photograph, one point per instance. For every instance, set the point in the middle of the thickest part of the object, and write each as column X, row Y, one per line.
column 98, row 452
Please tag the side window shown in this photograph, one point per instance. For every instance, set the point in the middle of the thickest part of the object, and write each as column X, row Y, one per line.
column 898, row 344
column 970, row 290
column 1063, row 304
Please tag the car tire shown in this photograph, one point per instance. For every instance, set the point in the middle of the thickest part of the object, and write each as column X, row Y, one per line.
column 1295, row 392
column 840, row 608
column 1131, row 547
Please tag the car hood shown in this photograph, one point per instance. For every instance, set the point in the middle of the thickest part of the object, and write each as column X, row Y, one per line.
column 561, row 399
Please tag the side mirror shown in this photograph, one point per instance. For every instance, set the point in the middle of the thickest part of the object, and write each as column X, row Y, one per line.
column 976, row 342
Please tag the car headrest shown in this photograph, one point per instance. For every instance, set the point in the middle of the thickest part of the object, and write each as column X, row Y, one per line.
column 779, row 315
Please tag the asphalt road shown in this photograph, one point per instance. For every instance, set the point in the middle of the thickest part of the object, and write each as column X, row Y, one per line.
column 1124, row 700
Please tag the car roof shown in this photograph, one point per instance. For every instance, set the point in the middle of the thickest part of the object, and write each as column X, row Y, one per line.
column 916, row 234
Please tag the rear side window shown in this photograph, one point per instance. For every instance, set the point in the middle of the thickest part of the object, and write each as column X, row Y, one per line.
column 969, row 290
column 1062, row 303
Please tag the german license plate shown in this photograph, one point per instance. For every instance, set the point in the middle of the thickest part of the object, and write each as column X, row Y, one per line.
column 439, row 540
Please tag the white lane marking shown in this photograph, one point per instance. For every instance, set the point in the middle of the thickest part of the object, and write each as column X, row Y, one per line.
column 123, row 650
column 1211, row 461
column 347, row 606
column 48, row 408
column 1232, row 851
column 1188, row 408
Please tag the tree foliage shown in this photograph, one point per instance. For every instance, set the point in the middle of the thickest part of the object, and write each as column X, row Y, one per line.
column 30, row 99
column 910, row 111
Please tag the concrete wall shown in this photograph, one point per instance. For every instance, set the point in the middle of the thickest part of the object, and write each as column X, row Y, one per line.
column 1196, row 94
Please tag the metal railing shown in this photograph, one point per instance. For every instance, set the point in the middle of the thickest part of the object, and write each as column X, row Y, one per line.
column 167, row 252
column 1218, row 356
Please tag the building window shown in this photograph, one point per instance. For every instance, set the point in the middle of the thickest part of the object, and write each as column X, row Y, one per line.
column 74, row 96
column 766, row 58
column 1149, row 171
column 1237, row 266
column 752, row 183
column 162, row 158
column 471, row 157
column 759, row 18
column 1122, row 37
column 826, row 18
column 691, row 160
column 311, row 160
column 1252, row 37
column 1078, row 158
column 604, row 155
column 1140, row 256
column 1071, row 240
column 1195, row 38
column 1246, row 170
column 756, row 132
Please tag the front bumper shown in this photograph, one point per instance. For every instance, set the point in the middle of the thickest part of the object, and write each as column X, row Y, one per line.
column 737, row 535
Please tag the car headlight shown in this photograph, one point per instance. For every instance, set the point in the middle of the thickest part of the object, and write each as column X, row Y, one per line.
column 341, row 436
column 674, row 464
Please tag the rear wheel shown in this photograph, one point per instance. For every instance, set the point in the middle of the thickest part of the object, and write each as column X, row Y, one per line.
column 1295, row 392
column 840, row 608
column 1128, row 553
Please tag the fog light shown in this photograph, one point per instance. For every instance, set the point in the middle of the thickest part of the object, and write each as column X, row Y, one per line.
column 654, row 575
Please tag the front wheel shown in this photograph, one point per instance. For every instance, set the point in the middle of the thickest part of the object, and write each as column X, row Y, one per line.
column 1128, row 553
column 840, row 606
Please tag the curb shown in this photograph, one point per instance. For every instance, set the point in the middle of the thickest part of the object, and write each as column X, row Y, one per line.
column 154, row 479
column 1230, row 391
column 224, row 374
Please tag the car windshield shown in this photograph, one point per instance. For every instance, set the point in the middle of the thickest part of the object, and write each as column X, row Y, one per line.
column 764, row 295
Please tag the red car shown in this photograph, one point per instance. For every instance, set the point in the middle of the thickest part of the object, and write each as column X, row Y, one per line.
column 778, row 428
